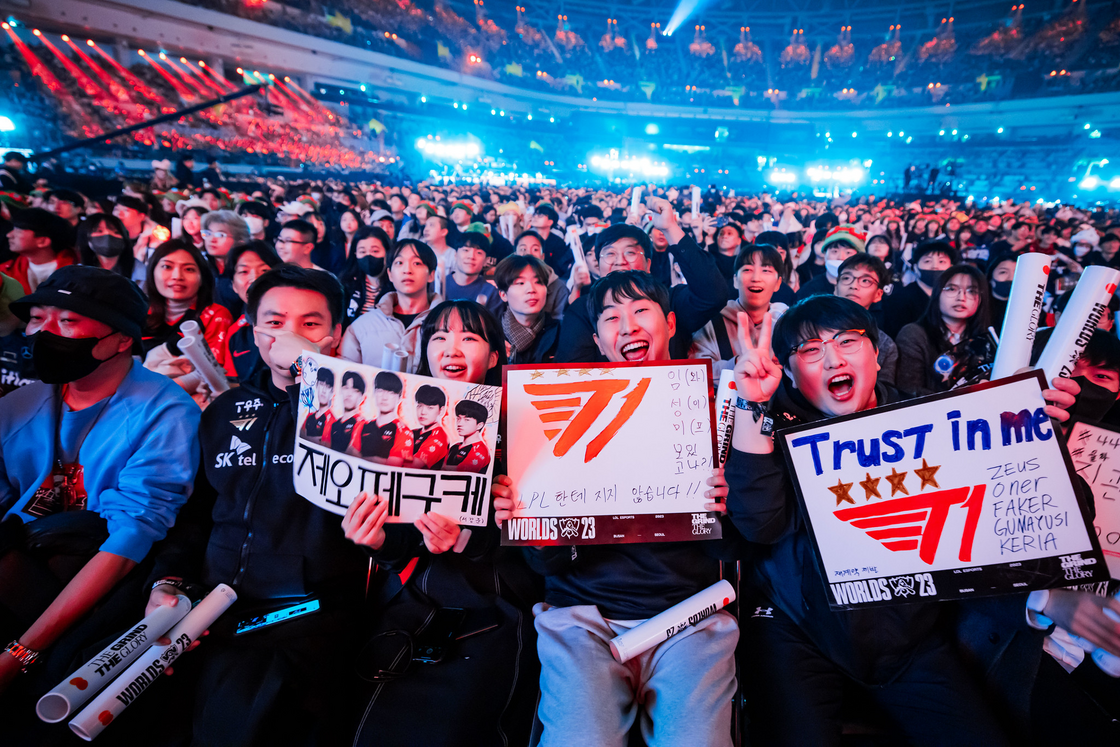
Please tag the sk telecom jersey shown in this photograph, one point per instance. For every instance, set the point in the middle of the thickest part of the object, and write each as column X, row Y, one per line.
column 469, row 458
column 430, row 446
column 385, row 441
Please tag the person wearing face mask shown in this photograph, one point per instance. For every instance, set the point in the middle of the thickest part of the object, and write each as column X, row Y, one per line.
column 1001, row 274
column 103, row 242
column 1084, row 242
column 256, row 216
column 934, row 351
column 363, row 277
column 840, row 243
column 906, row 304
column 101, row 450
column 1105, row 253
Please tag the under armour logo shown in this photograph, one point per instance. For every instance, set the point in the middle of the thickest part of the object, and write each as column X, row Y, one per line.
column 767, row 612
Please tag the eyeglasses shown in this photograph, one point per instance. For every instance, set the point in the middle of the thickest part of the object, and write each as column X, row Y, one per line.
column 863, row 281
column 847, row 342
column 219, row 235
column 614, row 257
column 970, row 291
column 290, row 241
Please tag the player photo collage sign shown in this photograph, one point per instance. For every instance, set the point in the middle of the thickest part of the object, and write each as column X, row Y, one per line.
column 423, row 444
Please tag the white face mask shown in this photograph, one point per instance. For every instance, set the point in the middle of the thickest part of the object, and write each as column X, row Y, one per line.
column 255, row 223
column 832, row 267
column 1081, row 250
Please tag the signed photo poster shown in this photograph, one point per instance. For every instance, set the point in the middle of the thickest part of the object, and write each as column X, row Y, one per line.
column 423, row 444
column 957, row 495
column 609, row 454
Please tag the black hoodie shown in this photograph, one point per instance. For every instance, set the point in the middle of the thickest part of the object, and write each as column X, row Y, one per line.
column 870, row 645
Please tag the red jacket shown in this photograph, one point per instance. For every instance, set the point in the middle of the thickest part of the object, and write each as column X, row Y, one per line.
column 17, row 267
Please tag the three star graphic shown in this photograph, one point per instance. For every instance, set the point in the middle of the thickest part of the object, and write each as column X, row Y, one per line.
column 896, row 479
column 567, row 372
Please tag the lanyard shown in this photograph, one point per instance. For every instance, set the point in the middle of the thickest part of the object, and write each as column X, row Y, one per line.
column 85, row 431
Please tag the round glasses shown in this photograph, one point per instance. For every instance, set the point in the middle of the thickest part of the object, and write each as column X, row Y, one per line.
column 847, row 342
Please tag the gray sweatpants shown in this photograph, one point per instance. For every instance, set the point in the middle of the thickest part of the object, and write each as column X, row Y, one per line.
column 684, row 686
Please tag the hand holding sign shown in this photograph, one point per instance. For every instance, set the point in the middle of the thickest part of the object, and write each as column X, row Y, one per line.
column 757, row 371
column 364, row 522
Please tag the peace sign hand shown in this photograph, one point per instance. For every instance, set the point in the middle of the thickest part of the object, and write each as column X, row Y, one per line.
column 757, row 371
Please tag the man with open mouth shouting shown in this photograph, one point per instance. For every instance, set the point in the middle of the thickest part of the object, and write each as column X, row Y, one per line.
column 803, row 656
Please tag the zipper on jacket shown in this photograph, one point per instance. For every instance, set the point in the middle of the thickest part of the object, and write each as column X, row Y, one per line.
column 243, row 557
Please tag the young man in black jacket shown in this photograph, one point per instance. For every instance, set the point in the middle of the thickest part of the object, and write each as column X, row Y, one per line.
column 247, row 527
column 625, row 247
column 802, row 655
column 595, row 592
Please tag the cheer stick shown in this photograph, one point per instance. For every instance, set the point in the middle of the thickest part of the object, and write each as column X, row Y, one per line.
column 695, row 201
column 387, row 355
column 1020, row 322
column 146, row 669
column 635, row 199
column 662, row 627
column 1088, row 303
column 193, row 345
column 84, row 683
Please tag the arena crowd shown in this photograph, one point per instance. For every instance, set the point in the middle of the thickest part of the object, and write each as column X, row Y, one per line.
column 125, row 480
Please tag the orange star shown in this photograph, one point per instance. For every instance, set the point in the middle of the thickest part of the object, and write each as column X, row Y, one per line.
column 927, row 473
column 561, row 372
column 840, row 490
column 536, row 375
column 605, row 371
column 896, row 480
column 870, row 487
column 584, row 372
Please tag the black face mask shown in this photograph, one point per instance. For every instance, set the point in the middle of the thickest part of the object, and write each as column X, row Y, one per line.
column 60, row 360
column 930, row 277
column 1002, row 288
column 1093, row 401
column 371, row 265
column 106, row 245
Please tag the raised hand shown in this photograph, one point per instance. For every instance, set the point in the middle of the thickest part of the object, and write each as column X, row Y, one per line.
column 665, row 219
column 757, row 371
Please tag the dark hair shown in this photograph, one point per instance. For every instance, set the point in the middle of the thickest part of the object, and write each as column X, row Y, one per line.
column 476, row 239
column 510, row 268
column 355, row 380
column 430, row 395
column 621, row 231
column 530, row 233
column 422, row 250
column 201, row 211
column 934, row 247
column 69, row 195
column 15, row 155
column 932, row 319
column 305, row 229
column 325, row 376
column 767, row 256
column 1062, row 301
column 468, row 408
column 809, row 317
column 258, row 247
column 388, row 381
column 357, row 216
column 737, row 228
column 442, row 221
column 255, row 207
column 133, row 203
column 125, row 261
column 1048, row 230
column 157, row 304
column 1000, row 259
column 292, row 276
column 872, row 263
column 629, row 284
column 351, row 271
column 45, row 224
column 475, row 319
column 1103, row 350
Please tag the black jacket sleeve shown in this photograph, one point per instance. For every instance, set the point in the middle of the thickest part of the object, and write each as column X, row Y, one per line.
column 760, row 502
column 705, row 291
column 182, row 551
column 577, row 336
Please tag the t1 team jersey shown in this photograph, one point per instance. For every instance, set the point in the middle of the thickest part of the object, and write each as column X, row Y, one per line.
column 345, row 433
column 385, row 441
column 469, row 457
column 430, row 446
column 315, row 425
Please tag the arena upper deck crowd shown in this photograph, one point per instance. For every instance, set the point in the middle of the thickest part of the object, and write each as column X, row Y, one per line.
column 118, row 490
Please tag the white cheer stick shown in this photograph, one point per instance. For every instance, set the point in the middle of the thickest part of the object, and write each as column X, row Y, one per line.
column 96, row 673
column 664, row 626
column 124, row 690
column 193, row 345
column 1020, row 321
column 695, row 201
column 387, row 355
column 635, row 199
column 1085, row 308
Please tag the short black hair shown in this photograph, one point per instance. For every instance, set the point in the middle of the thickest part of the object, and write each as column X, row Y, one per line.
column 630, row 284
column 431, row 396
column 325, row 376
column 620, row 231
column 468, row 408
column 293, row 276
column 776, row 239
column 509, row 269
column 306, row 230
column 45, row 224
column 258, row 247
column 731, row 224
column 422, row 250
column 530, row 234
column 355, row 380
column 257, row 208
column 874, row 264
column 1103, row 350
column 807, row 318
column 934, row 247
column 15, row 155
column 388, row 381
column 475, row 319
column 69, row 195
column 134, row 203
column 1109, row 237
column 767, row 255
